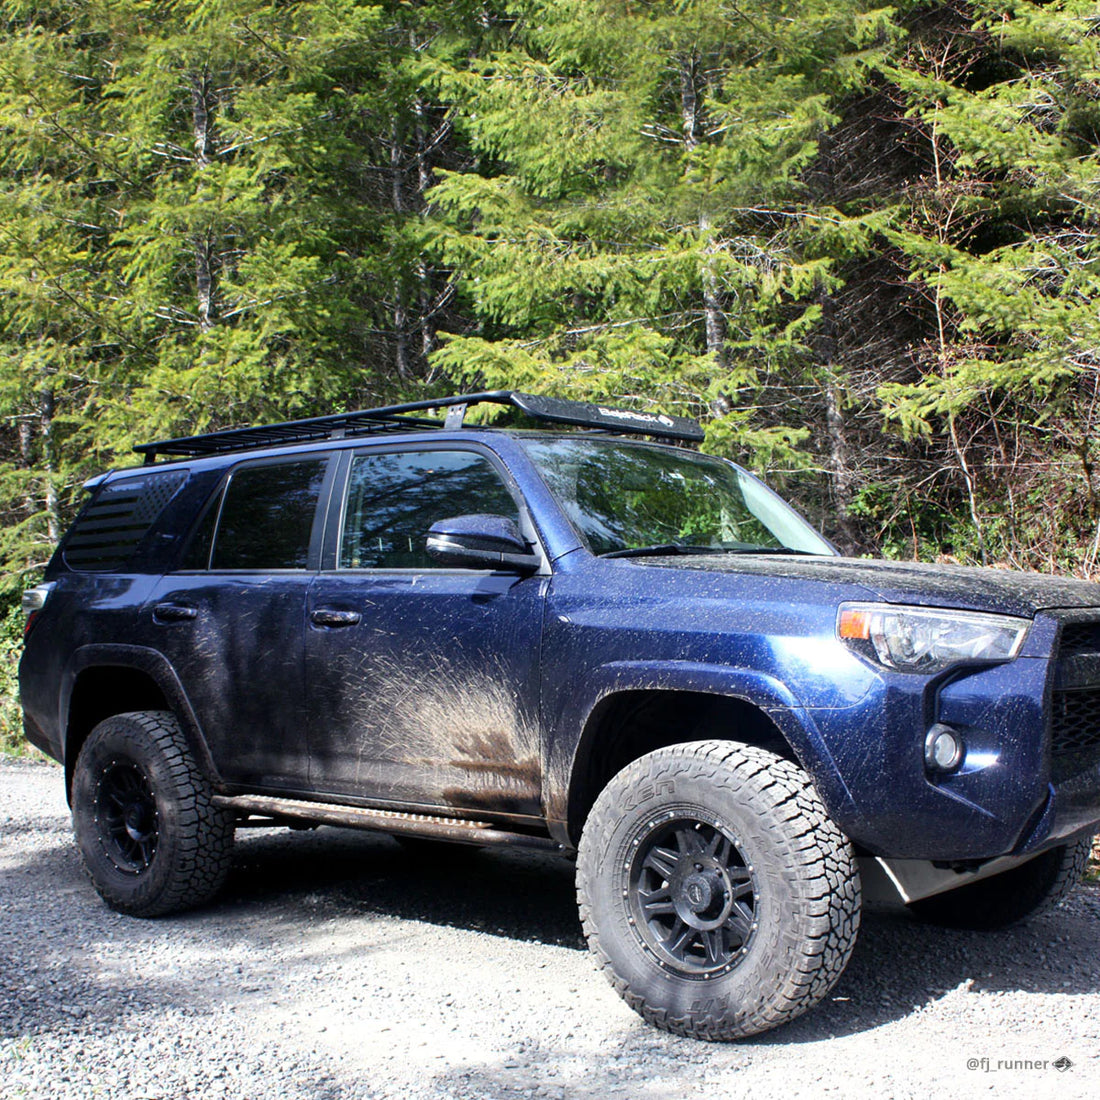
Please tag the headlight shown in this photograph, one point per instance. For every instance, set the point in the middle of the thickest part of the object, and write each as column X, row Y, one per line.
column 919, row 639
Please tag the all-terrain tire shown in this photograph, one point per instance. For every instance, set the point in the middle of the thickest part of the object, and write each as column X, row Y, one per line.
column 716, row 894
column 1012, row 896
column 152, row 839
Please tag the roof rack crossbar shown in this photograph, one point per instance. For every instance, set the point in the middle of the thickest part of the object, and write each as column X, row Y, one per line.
column 391, row 418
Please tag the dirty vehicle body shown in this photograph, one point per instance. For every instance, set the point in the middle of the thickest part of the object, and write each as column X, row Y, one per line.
column 585, row 641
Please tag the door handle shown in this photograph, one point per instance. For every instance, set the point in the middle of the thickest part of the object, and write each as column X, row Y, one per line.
column 174, row 613
column 329, row 616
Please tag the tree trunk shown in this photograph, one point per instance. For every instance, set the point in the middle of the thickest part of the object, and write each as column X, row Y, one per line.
column 714, row 318
column 840, row 465
column 49, row 464
column 26, row 459
column 400, row 313
column 202, row 125
column 201, row 121
column 427, row 324
column 400, row 330
column 839, row 461
column 689, row 101
column 205, row 283
column 423, row 275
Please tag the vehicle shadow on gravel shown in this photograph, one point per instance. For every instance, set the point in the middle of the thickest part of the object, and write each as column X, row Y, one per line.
column 899, row 964
column 520, row 895
column 282, row 883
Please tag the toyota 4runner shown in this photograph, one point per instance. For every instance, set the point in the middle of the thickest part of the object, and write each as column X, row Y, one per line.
column 584, row 641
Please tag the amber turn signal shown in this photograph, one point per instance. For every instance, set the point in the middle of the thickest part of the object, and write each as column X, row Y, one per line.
column 854, row 623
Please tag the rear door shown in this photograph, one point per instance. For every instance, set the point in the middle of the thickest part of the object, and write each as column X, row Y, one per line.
column 231, row 620
column 422, row 680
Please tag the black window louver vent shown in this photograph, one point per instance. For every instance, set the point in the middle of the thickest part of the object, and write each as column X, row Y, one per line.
column 108, row 531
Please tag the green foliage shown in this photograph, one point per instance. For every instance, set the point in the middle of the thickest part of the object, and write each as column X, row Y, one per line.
column 11, row 719
column 636, row 227
column 861, row 242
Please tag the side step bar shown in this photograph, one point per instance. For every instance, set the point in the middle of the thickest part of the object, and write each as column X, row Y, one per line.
column 384, row 821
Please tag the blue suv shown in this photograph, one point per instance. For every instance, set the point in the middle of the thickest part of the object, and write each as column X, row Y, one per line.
column 622, row 650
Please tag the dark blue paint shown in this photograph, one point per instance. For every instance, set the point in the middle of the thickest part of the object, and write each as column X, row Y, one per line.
column 348, row 711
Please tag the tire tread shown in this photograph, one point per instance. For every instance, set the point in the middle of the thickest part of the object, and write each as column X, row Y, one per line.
column 832, row 894
column 202, row 846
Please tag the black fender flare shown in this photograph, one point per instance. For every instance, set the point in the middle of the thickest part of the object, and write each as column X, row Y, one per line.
column 156, row 666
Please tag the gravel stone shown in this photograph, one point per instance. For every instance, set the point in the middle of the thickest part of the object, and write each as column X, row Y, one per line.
column 338, row 965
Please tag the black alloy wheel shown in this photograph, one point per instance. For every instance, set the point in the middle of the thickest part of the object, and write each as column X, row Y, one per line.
column 127, row 811
column 693, row 894
column 715, row 892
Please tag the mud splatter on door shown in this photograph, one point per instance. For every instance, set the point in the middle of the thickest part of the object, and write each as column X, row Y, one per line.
column 426, row 693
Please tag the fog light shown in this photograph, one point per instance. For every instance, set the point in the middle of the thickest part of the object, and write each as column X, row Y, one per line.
column 943, row 749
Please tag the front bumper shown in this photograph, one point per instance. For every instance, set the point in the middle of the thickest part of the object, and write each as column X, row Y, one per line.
column 1015, row 793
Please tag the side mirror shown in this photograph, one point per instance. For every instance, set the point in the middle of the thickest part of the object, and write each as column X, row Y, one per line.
column 481, row 542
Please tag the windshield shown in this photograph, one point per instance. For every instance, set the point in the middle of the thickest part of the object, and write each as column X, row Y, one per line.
column 630, row 496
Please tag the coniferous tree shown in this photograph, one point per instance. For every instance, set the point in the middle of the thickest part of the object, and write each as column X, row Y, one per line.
column 636, row 225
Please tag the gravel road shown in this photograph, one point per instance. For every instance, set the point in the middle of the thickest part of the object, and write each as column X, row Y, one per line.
column 338, row 966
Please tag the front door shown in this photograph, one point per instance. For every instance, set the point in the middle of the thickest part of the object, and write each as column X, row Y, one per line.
column 422, row 680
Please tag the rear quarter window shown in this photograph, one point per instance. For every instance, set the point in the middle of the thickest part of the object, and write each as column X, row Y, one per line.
column 107, row 533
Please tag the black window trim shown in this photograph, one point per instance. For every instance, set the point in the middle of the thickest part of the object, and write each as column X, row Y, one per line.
column 334, row 524
column 216, row 500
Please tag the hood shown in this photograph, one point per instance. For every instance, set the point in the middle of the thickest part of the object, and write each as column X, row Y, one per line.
column 958, row 586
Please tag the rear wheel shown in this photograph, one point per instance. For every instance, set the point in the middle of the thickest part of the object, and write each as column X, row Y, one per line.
column 152, row 839
column 715, row 892
column 1013, row 895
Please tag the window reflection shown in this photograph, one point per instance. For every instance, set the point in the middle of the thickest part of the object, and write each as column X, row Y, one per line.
column 267, row 516
column 394, row 498
column 623, row 496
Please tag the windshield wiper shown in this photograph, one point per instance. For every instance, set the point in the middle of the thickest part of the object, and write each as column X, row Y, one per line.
column 661, row 549
column 769, row 550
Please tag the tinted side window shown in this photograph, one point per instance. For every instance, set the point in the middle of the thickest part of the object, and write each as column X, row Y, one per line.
column 108, row 530
column 267, row 516
column 394, row 498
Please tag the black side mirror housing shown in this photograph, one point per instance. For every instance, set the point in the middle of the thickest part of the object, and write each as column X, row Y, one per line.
column 481, row 542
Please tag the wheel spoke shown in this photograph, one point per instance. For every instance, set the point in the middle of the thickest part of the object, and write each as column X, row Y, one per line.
column 743, row 891
column 663, row 861
column 677, row 942
column 656, row 902
column 740, row 922
column 719, row 848
column 125, row 782
column 714, row 947
column 689, row 841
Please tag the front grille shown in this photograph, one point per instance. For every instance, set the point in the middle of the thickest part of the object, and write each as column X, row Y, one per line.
column 1075, row 721
column 1075, row 701
column 1079, row 639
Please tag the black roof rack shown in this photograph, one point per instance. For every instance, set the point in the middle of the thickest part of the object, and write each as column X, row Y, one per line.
column 391, row 418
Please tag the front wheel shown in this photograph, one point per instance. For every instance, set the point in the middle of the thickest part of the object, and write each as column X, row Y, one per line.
column 152, row 839
column 717, row 895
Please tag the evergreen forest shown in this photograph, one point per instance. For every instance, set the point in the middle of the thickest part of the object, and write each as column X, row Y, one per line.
column 860, row 242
